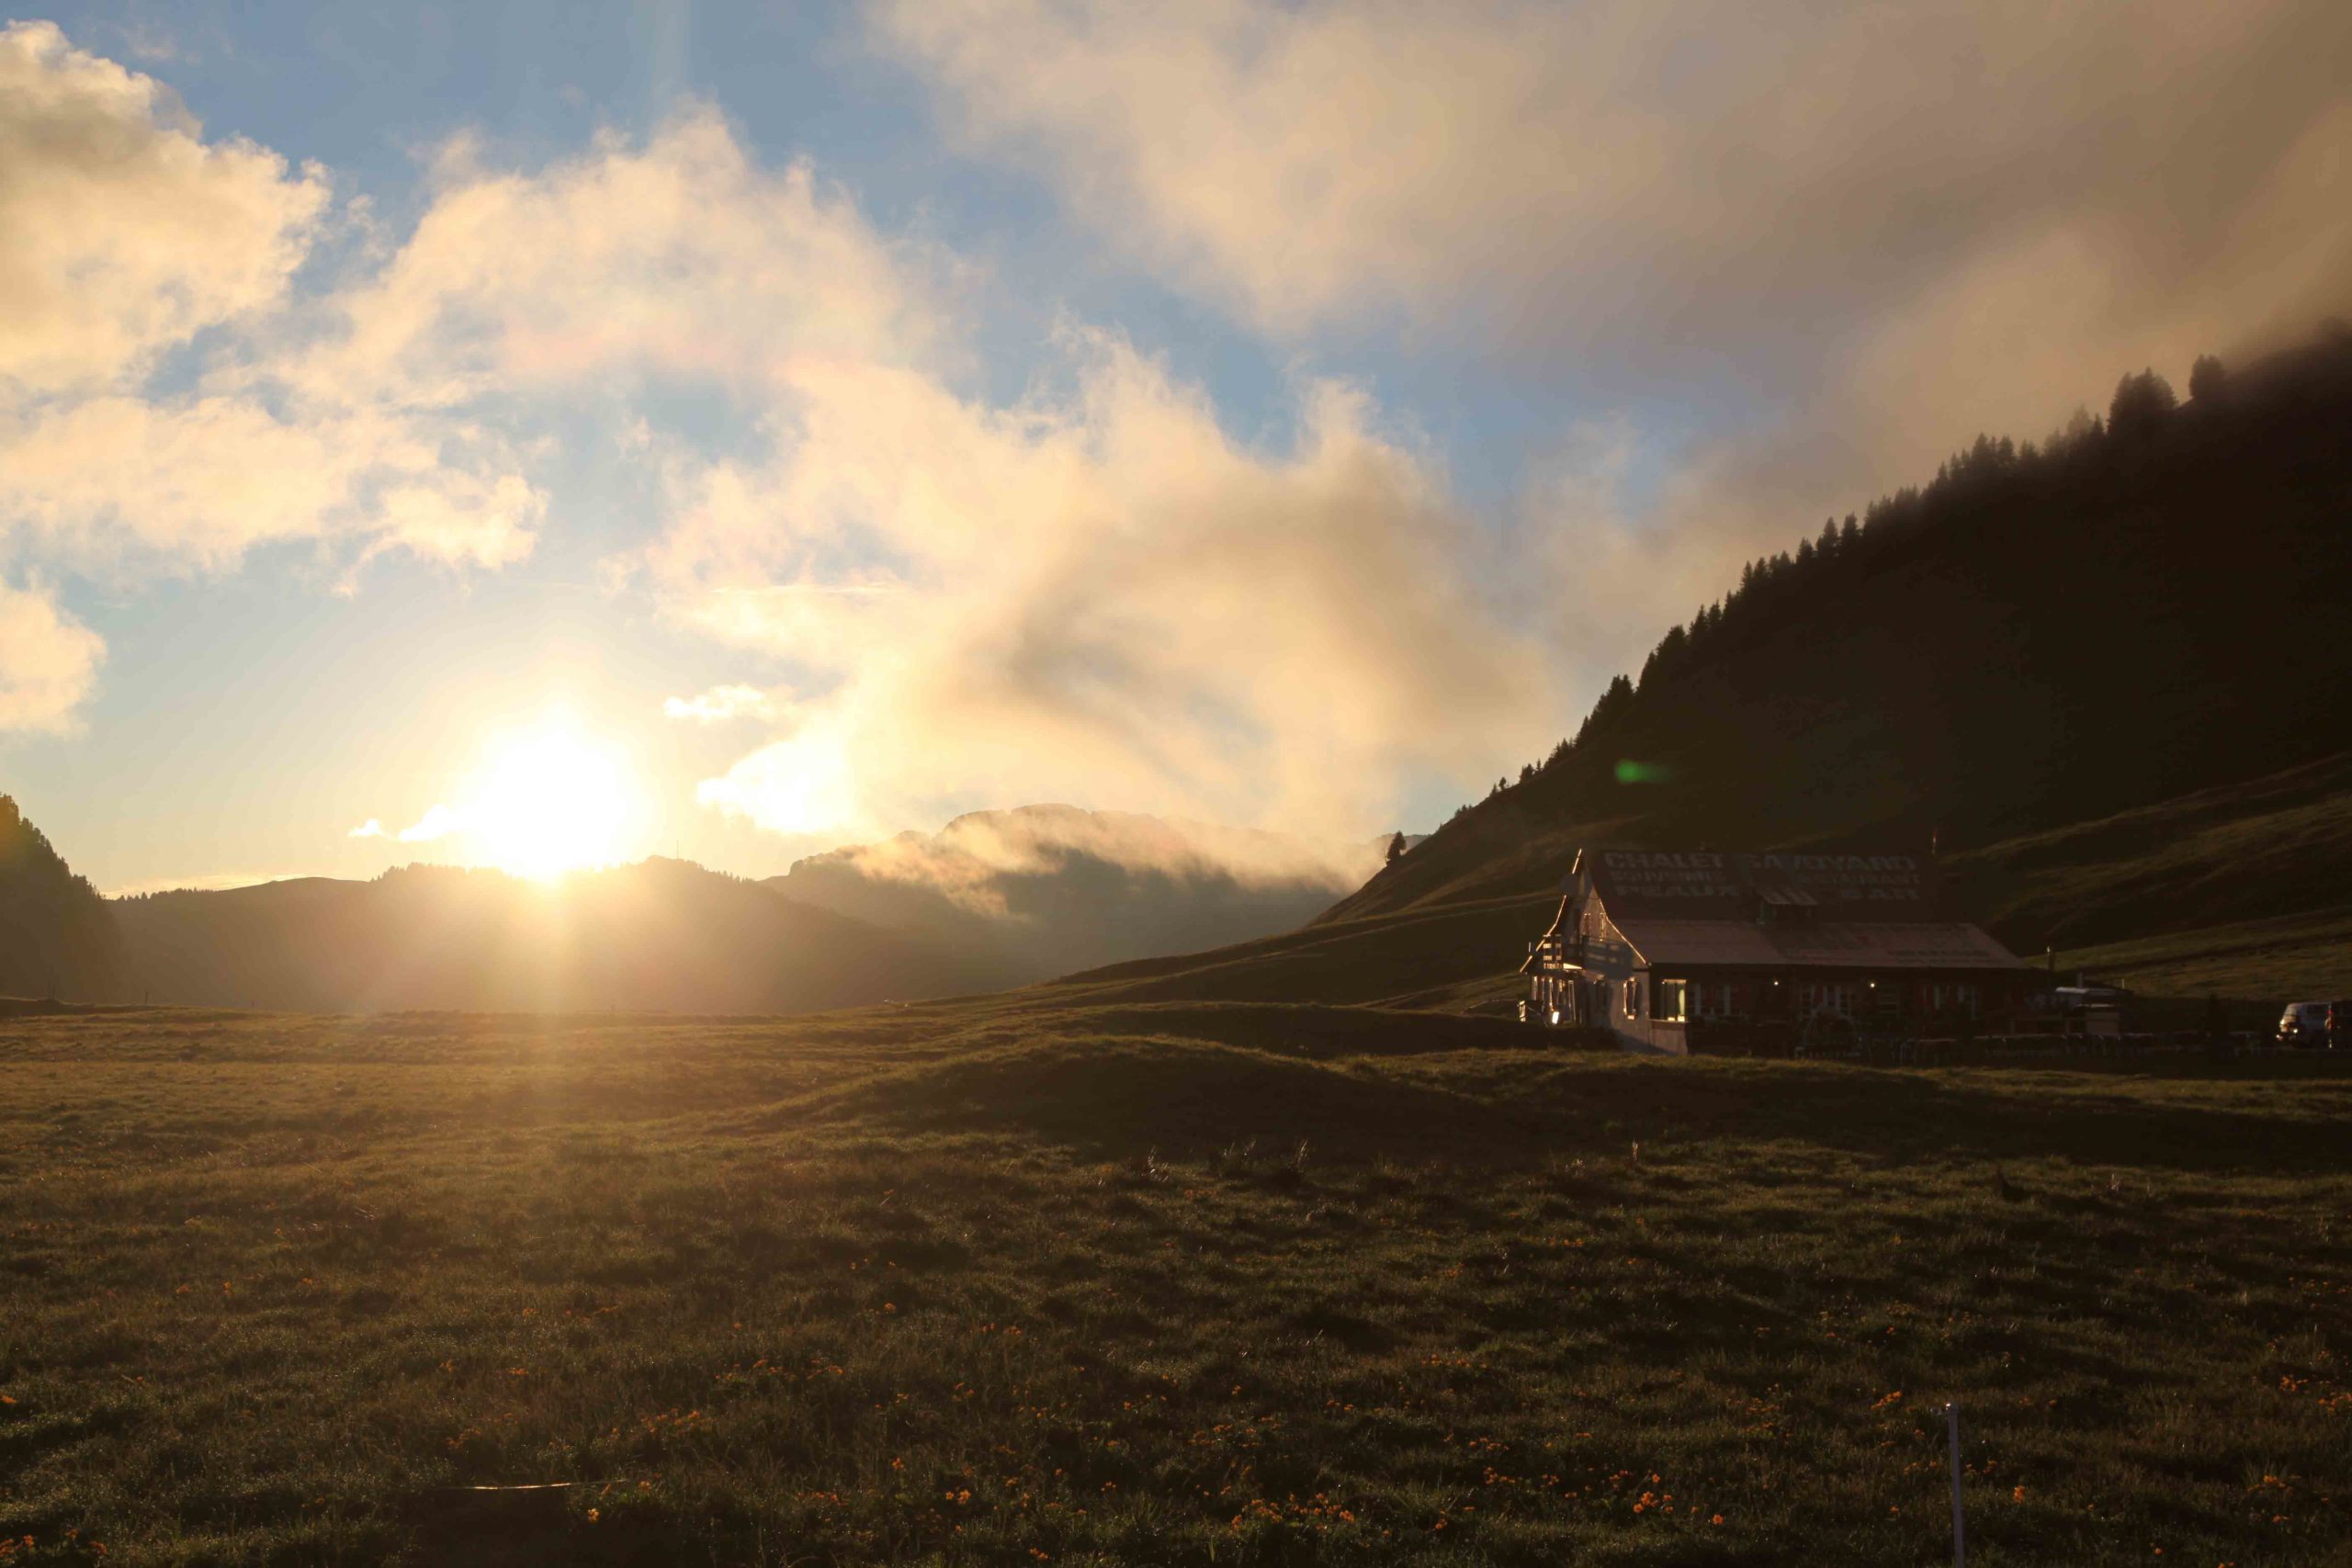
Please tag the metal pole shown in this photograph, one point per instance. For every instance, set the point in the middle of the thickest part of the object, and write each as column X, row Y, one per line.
column 1959, row 1538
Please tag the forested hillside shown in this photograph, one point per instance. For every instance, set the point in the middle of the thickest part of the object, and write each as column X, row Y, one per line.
column 56, row 938
column 2142, row 610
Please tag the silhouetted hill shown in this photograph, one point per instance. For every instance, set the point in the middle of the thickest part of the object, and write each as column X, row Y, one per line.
column 2039, row 649
column 1041, row 890
column 661, row 934
column 56, row 938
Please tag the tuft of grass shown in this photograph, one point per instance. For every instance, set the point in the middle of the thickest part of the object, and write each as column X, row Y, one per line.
column 1046, row 1278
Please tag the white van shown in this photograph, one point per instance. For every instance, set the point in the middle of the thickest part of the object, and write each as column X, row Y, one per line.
column 2303, row 1023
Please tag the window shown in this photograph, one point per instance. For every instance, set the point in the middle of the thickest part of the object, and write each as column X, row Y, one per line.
column 1823, row 995
column 1670, row 1003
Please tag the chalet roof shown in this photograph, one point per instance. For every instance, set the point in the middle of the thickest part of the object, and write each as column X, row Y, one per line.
column 1729, row 908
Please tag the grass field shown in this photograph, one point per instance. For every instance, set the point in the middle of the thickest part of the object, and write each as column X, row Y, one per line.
column 1043, row 1278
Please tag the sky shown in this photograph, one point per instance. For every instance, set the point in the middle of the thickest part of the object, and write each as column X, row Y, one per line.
column 541, row 433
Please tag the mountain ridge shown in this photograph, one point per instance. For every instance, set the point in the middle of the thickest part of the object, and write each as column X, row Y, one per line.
column 658, row 935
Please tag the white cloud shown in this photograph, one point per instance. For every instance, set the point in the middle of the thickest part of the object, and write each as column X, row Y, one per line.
column 202, row 481
column 371, row 829
column 394, row 412
column 122, row 231
column 438, row 822
column 48, row 662
column 721, row 703
column 682, row 255
column 1104, row 598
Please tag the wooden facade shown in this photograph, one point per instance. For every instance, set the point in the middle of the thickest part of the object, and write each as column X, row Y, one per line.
column 1665, row 948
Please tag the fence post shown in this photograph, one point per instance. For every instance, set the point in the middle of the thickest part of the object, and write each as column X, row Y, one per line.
column 1959, row 1538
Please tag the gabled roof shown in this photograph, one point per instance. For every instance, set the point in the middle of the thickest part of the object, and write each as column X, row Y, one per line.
column 1729, row 908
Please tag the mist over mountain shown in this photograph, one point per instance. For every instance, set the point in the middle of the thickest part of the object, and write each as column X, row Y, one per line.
column 661, row 934
column 56, row 936
column 1041, row 890
column 2104, row 675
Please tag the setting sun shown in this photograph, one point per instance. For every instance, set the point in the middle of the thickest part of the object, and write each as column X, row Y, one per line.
column 548, row 800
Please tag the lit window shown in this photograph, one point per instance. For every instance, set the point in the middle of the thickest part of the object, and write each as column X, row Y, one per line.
column 1670, row 1002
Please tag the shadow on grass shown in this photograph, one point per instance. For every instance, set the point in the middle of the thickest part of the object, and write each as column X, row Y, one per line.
column 1119, row 1098
column 1909, row 1117
column 1321, row 1032
column 1116, row 1095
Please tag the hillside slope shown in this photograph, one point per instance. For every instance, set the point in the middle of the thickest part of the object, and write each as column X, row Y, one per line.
column 2277, row 845
column 56, row 938
column 2033, row 644
column 662, row 935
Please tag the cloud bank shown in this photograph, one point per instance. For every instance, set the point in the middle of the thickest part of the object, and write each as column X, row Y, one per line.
column 1881, row 229
column 1045, row 890
column 1103, row 595
column 1656, row 178
column 970, row 860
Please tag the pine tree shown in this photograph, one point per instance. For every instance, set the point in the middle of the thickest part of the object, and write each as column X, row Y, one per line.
column 2142, row 404
column 2207, row 381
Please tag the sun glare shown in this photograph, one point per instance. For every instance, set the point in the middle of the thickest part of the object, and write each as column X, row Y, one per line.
column 550, row 800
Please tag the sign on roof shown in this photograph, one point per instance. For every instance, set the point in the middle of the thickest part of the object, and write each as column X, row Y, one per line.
column 1729, row 884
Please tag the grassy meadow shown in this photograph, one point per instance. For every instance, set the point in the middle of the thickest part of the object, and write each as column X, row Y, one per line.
column 2288, row 958
column 1057, row 1277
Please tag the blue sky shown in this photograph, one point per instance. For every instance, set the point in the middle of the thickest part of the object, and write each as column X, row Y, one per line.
column 1287, row 416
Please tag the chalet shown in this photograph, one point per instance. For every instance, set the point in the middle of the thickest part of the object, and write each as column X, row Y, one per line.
column 1658, row 947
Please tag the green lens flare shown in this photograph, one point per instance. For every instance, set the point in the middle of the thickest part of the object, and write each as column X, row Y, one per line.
column 1630, row 773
